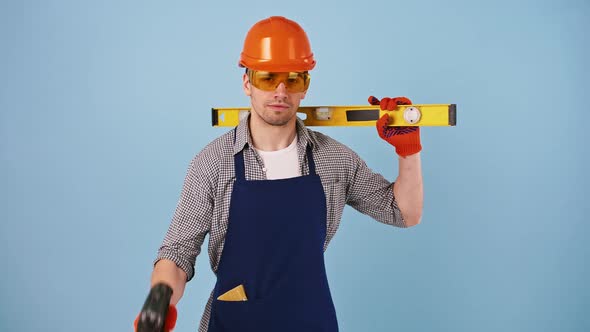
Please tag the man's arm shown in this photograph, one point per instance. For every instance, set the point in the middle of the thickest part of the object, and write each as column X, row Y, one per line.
column 175, row 262
column 159, row 310
column 167, row 272
column 408, row 189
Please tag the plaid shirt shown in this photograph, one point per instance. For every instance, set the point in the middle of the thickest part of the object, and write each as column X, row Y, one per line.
column 204, row 203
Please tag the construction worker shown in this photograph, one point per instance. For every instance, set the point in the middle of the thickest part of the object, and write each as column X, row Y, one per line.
column 270, row 194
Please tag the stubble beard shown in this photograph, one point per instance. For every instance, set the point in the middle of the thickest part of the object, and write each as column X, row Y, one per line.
column 277, row 120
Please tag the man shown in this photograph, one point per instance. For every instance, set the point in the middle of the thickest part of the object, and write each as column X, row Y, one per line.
column 270, row 194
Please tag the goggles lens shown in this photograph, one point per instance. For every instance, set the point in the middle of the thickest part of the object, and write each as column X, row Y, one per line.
column 269, row 81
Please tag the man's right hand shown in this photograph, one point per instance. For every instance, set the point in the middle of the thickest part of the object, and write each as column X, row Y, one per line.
column 157, row 314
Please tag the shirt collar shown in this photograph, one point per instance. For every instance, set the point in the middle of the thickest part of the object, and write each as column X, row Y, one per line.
column 243, row 137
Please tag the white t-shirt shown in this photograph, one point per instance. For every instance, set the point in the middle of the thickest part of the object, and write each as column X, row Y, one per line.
column 281, row 164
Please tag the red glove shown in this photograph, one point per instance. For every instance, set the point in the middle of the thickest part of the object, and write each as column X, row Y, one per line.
column 406, row 140
column 157, row 314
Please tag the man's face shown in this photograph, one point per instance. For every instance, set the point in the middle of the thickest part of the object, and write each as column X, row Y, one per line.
column 277, row 107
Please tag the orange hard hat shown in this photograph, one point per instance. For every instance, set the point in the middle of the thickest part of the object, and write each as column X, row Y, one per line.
column 277, row 44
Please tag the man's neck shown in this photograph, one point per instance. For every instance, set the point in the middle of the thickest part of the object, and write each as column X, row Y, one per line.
column 267, row 137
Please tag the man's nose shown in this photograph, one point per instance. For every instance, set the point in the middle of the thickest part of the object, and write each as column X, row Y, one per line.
column 281, row 89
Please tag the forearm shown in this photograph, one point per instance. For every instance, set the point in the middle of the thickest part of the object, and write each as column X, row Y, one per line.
column 167, row 272
column 408, row 189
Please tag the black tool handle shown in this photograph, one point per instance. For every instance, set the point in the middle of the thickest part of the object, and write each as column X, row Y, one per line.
column 155, row 309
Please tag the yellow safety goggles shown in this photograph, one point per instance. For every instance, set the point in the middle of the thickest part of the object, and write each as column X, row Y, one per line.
column 269, row 81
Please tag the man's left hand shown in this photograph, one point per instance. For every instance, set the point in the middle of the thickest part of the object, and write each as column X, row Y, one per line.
column 406, row 140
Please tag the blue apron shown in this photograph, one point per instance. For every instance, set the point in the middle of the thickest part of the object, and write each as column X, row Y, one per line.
column 274, row 247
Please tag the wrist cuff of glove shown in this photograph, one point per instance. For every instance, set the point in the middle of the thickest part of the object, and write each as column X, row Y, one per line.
column 171, row 318
column 409, row 150
column 412, row 146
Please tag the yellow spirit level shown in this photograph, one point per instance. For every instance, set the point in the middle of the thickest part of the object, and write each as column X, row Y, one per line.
column 403, row 115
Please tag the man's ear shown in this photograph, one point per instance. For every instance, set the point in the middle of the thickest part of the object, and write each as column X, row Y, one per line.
column 246, row 85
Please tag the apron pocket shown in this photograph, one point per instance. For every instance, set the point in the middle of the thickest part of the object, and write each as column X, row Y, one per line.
column 251, row 315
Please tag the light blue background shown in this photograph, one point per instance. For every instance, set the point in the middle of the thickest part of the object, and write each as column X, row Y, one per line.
column 104, row 103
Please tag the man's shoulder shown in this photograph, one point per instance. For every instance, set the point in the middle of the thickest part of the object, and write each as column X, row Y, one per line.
column 216, row 151
column 329, row 145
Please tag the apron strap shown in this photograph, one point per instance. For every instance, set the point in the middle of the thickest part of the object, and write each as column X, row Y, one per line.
column 310, row 161
column 240, row 169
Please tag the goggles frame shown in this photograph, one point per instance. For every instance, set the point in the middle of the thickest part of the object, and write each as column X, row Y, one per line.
column 294, row 81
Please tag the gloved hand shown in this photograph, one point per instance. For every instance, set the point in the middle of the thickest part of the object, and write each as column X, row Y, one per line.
column 406, row 140
column 157, row 314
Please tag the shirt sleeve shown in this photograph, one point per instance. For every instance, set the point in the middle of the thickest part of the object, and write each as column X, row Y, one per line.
column 371, row 194
column 191, row 221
